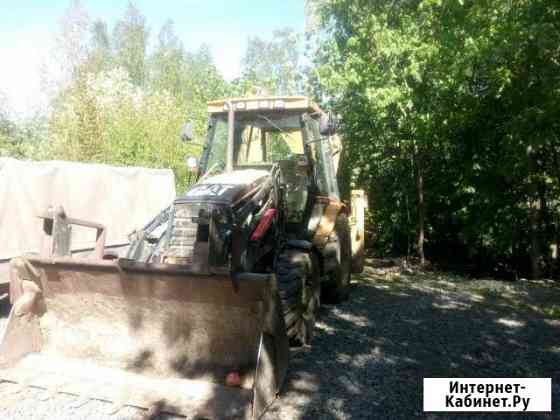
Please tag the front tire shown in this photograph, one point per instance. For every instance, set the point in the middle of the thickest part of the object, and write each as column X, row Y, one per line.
column 298, row 283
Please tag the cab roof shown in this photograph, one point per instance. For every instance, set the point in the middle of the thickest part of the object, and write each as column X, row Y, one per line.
column 254, row 103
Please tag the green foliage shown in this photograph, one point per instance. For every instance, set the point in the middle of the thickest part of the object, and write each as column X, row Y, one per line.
column 130, row 42
column 464, row 93
column 552, row 311
column 116, row 100
column 274, row 65
column 121, row 105
column 24, row 139
column 107, row 118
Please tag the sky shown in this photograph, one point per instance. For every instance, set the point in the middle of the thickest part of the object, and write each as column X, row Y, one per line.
column 28, row 29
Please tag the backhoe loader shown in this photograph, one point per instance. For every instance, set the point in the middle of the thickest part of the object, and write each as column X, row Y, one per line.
column 198, row 318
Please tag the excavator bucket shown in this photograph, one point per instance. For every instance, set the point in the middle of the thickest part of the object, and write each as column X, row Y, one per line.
column 152, row 336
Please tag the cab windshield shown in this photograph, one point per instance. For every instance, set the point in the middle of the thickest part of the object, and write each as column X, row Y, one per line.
column 260, row 138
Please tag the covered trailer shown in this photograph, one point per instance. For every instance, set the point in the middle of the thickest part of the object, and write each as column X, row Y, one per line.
column 120, row 198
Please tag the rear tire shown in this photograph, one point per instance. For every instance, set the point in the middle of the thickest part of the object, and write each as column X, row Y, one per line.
column 299, row 289
column 337, row 288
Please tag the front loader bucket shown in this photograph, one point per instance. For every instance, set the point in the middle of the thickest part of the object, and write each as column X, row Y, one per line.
column 145, row 335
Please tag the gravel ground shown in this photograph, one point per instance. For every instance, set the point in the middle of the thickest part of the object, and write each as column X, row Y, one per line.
column 370, row 354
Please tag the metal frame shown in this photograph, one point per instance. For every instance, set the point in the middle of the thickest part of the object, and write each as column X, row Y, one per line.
column 57, row 233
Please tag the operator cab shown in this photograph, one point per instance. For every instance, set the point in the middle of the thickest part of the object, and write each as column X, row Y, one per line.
column 267, row 131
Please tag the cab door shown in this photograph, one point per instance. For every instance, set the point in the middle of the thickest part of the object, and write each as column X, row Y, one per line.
column 326, row 203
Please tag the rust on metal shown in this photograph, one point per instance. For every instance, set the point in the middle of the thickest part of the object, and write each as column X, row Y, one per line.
column 57, row 233
column 146, row 336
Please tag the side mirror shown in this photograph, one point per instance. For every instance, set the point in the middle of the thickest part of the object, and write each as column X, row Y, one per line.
column 327, row 124
column 187, row 132
column 192, row 164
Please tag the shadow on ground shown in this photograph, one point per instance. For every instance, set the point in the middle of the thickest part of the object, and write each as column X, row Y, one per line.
column 370, row 354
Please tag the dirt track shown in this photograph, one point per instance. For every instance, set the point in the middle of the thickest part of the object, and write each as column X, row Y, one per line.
column 370, row 354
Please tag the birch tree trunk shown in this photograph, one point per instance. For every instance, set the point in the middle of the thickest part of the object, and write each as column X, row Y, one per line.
column 420, row 210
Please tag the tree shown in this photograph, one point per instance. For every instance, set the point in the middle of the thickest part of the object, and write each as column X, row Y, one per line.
column 22, row 139
column 6, row 127
column 99, row 54
column 274, row 65
column 106, row 118
column 450, row 105
column 70, row 49
column 167, row 63
column 130, row 42
column 125, row 106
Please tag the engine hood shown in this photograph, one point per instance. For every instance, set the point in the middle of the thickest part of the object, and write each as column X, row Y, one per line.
column 226, row 187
